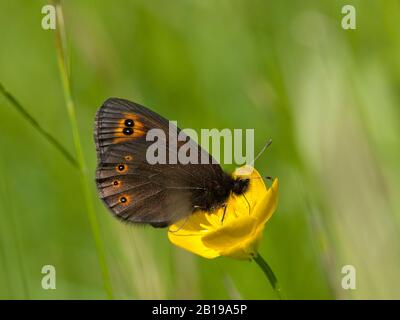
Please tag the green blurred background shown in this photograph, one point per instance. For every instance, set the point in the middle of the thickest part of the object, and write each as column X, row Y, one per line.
column 328, row 97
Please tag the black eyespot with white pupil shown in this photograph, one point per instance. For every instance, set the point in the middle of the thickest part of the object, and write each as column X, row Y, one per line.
column 121, row 167
column 127, row 131
column 129, row 122
column 122, row 200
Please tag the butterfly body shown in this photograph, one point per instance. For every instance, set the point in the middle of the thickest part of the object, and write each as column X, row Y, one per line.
column 217, row 192
column 156, row 194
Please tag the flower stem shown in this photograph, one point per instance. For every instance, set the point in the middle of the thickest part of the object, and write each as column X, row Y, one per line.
column 269, row 273
column 61, row 49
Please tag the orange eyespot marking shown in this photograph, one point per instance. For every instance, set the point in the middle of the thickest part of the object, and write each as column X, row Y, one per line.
column 116, row 183
column 121, row 168
column 125, row 200
column 129, row 127
column 128, row 157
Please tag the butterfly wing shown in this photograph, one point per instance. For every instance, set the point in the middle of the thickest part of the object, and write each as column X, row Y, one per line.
column 133, row 189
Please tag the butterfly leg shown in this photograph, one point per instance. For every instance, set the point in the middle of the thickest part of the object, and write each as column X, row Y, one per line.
column 248, row 204
column 223, row 215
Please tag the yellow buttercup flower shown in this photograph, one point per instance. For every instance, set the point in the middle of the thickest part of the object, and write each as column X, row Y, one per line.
column 239, row 233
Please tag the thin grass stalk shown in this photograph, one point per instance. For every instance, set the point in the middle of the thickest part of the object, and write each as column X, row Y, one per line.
column 61, row 49
column 13, row 225
column 35, row 124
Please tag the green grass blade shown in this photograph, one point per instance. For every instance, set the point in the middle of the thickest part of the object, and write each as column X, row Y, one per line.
column 63, row 68
column 15, row 231
column 35, row 124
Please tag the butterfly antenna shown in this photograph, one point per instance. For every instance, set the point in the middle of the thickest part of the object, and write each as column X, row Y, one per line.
column 183, row 224
column 261, row 152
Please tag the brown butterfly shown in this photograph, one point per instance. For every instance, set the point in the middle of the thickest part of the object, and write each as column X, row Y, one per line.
column 157, row 194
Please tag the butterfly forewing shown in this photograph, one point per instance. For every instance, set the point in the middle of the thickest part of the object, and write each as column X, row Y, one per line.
column 133, row 189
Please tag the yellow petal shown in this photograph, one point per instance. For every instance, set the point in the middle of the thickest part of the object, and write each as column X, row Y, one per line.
column 187, row 234
column 246, row 249
column 266, row 204
column 238, row 240
column 195, row 223
column 230, row 234
column 193, row 244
